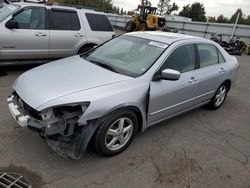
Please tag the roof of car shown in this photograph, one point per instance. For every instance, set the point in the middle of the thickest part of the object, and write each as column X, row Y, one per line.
column 165, row 37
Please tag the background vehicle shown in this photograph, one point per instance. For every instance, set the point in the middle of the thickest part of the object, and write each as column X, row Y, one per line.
column 125, row 85
column 45, row 31
column 146, row 19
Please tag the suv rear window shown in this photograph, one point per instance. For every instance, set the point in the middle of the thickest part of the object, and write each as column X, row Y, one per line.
column 64, row 20
column 98, row 22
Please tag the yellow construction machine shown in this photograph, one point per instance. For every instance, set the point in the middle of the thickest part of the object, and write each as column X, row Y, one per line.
column 145, row 19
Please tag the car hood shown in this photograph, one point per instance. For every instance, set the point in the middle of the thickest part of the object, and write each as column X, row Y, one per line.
column 61, row 78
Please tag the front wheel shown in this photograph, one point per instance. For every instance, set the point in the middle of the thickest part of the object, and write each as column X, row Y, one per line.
column 130, row 26
column 116, row 132
column 143, row 27
column 219, row 97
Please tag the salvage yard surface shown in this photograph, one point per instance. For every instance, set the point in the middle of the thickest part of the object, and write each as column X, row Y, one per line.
column 199, row 149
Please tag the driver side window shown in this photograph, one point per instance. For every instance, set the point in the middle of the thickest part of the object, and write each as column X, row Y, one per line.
column 31, row 18
column 181, row 59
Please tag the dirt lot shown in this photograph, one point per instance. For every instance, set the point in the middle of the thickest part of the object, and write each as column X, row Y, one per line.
column 199, row 149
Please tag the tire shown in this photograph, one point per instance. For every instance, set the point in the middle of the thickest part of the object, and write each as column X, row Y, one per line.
column 130, row 26
column 219, row 97
column 143, row 27
column 114, row 135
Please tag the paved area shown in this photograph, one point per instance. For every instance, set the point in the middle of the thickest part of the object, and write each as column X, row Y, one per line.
column 199, row 149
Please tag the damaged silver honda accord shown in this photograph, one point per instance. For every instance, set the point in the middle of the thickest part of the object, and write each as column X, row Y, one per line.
column 119, row 88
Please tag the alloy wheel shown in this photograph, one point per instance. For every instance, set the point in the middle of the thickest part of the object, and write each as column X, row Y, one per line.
column 119, row 133
column 220, row 95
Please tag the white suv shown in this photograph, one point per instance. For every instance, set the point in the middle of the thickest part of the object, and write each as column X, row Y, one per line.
column 49, row 31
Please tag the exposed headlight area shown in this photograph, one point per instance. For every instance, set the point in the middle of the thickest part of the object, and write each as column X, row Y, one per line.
column 63, row 119
column 52, row 121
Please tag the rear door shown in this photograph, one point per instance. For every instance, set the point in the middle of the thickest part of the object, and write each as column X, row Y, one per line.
column 211, row 72
column 65, row 32
column 31, row 39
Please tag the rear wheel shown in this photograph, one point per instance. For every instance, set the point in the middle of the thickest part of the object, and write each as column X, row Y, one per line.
column 116, row 132
column 219, row 97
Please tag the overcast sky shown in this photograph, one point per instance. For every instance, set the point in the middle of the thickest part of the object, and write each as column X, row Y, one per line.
column 212, row 7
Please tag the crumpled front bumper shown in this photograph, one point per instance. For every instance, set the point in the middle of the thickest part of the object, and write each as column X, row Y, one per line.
column 73, row 146
column 21, row 118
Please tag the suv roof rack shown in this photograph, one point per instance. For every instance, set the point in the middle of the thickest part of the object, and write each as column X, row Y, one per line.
column 70, row 5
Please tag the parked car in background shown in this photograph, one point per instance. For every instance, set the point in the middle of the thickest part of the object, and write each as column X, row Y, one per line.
column 49, row 31
column 123, row 86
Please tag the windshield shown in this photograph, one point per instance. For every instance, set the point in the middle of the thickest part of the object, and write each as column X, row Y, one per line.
column 127, row 55
column 7, row 10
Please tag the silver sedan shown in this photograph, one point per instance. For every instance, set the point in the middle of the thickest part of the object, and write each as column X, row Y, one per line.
column 120, row 87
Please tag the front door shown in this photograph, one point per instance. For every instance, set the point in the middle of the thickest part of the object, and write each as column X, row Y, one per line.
column 30, row 40
column 171, row 97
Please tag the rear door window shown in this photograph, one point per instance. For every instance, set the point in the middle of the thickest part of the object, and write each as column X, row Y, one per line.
column 98, row 22
column 64, row 20
column 221, row 58
column 208, row 55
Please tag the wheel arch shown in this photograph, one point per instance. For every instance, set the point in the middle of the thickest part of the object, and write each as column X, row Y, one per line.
column 139, row 116
column 137, row 112
column 228, row 82
column 134, row 109
column 86, row 45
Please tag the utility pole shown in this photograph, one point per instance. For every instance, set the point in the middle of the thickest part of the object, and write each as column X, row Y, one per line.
column 235, row 25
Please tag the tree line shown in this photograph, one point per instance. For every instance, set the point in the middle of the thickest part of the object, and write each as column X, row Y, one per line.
column 195, row 11
column 243, row 19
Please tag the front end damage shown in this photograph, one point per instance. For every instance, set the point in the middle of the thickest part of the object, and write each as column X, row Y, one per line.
column 58, row 126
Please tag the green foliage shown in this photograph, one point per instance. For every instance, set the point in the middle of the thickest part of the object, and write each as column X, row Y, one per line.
column 247, row 20
column 241, row 17
column 222, row 19
column 164, row 7
column 196, row 11
column 211, row 19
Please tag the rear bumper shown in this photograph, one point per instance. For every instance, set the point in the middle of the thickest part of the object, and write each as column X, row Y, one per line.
column 21, row 118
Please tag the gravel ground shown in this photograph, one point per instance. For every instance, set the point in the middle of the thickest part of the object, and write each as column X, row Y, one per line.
column 199, row 149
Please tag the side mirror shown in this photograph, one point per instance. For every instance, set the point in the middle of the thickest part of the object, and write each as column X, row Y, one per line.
column 169, row 74
column 11, row 24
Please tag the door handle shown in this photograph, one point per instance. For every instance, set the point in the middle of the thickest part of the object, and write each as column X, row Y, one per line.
column 40, row 34
column 78, row 35
column 222, row 70
column 192, row 80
